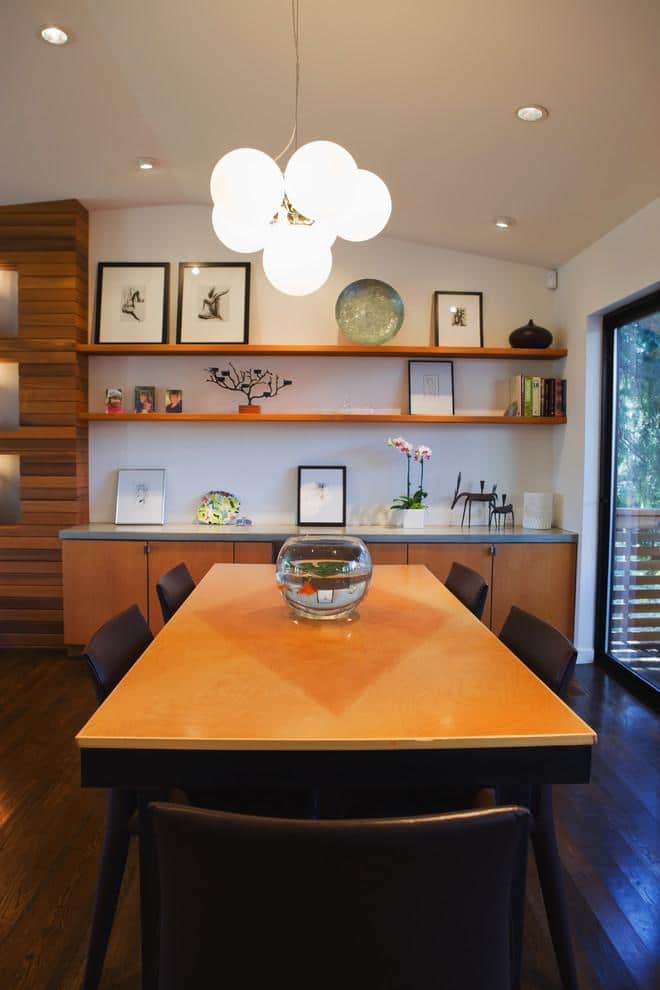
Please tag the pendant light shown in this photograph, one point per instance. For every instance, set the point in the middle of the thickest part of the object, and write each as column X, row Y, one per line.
column 295, row 217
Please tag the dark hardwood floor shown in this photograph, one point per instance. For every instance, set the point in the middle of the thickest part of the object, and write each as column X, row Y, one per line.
column 50, row 832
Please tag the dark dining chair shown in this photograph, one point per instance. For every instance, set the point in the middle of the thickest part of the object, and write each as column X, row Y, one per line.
column 411, row 902
column 110, row 653
column 469, row 587
column 552, row 657
column 172, row 588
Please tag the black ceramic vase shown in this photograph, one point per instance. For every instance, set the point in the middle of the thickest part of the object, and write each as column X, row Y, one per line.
column 530, row 336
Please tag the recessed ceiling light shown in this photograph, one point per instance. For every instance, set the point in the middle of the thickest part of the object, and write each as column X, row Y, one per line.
column 503, row 223
column 194, row 270
column 54, row 35
column 532, row 113
column 145, row 164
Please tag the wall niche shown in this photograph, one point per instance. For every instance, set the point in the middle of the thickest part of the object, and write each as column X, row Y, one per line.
column 8, row 302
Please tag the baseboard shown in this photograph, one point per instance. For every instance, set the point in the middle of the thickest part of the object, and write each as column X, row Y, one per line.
column 585, row 656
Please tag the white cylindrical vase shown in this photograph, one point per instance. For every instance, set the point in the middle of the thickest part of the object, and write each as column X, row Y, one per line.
column 537, row 510
column 408, row 518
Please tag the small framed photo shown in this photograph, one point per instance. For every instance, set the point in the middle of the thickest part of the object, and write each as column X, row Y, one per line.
column 114, row 401
column 173, row 400
column 131, row 303
column 321, row 496
column 144, row 399
column 214, row 302
column 431, row 388
column 140, row 496
column 458, row 319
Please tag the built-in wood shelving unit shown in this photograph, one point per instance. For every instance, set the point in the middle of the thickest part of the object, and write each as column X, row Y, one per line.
column 294, row 417
column 300, row 350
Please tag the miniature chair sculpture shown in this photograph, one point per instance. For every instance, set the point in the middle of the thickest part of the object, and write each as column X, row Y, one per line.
column 408, row 902
column 469, row 587
column 551, row 656
column 173, row 588
column 110, row 653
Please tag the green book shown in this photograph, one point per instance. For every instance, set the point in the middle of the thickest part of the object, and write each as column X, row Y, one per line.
column 527, row 396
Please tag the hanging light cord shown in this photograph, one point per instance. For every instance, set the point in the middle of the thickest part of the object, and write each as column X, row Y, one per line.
column 295, row 24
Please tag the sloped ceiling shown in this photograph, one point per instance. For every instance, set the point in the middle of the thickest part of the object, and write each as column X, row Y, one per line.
column 422, row 92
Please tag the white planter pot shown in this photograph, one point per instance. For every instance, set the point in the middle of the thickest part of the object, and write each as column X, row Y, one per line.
column 408, row 518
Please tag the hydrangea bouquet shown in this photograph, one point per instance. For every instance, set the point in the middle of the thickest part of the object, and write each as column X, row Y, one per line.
column 418, row 454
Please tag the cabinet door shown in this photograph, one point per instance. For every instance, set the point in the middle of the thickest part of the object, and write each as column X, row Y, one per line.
column 101, row 578
column 253, row 553
column 198, row 557
column 539, row 577
column 439, row 557
column 388, row 553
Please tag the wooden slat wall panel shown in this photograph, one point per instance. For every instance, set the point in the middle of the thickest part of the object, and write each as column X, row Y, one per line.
column 47, row 244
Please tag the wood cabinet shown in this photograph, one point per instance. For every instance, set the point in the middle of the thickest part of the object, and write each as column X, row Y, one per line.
column 539, row 577
column 388, row 553
column 253, row 553
column 100, row 578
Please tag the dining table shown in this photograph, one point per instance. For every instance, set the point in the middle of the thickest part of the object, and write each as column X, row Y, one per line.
column 411, row 691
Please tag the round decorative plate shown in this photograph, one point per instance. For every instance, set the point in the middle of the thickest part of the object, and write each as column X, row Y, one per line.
column 369, row 311
column 218, row 508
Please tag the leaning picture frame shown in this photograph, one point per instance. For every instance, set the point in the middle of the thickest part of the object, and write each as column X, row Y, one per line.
column 131, row 302
column 321, row 495
column 431, row 388
column 214, row 302
column 458, row 318
column 140, row 497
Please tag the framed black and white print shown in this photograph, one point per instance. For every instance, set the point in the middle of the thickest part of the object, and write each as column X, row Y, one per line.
column 431, row 388
column 214, row 302
column 321, row 496
column 458, row 319
column 140, row 497
column 132, row 302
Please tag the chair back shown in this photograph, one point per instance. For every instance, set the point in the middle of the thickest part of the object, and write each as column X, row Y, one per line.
column 173, row 588
column 408, row 902
column 115, row 647
column 469, row 587
column 541, row 647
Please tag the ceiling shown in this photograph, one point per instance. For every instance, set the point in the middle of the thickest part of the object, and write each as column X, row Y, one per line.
column 423, row 93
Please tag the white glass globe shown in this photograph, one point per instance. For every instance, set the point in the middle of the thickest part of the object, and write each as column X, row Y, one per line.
column 369, row 210
column 295, row 261
column 248, row 185
column 238, row 235
column 320, row 179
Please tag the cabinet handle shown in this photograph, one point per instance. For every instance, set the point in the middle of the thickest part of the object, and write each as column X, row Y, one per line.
column 147, row 548
column 492, row 550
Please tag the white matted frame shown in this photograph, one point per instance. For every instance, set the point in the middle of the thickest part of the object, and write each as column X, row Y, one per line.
column 140, row 497
column 431, row 388
column 214, row 302
column 459, row 319
column 321, row 495
column 132, row 302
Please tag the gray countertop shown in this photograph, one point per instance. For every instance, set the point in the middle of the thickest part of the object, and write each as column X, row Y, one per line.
column 274, row 533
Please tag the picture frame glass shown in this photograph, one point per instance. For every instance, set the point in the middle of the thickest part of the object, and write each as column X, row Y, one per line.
column 213, row 303
column 458, row 319
column 131, row 303
column 321, row 496
column 140, row 497
column 431, row 388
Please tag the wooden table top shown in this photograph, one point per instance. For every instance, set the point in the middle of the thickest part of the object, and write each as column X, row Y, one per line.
column 414, row 670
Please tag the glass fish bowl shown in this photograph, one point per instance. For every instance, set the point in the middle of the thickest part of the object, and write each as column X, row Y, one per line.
column 323, row 577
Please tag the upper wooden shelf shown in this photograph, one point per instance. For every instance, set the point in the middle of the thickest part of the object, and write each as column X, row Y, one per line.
column 99, row 417
column 303, row 350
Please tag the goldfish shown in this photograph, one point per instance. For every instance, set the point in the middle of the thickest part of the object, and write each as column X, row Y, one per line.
column 307, row 589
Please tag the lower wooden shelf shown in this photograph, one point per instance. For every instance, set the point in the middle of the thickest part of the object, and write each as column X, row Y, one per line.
column 318, row 418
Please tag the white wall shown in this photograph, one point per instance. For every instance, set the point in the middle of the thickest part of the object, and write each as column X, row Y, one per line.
column 258, row 462
column 622, row 265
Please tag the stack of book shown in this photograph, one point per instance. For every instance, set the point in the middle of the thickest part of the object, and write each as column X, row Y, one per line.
column 539, row 396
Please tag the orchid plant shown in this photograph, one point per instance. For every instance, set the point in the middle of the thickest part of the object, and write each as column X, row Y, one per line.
column 419, row 454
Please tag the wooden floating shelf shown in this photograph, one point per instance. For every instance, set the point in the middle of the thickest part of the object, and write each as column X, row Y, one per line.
column 99, row 417
column 301, row 350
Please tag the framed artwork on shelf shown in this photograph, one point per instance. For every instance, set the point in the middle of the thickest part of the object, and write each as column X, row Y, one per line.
column 131, row 302
column 431, row 388
column 144, row 399
column 214, row 302
column 140, row 497
column 458, row 318
column 173, row 400
column 321, row 496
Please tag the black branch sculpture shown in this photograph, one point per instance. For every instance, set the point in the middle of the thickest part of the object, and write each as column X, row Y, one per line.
column 254, row 383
